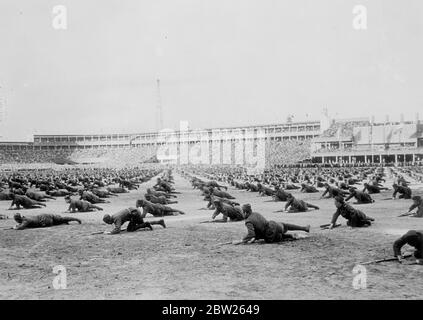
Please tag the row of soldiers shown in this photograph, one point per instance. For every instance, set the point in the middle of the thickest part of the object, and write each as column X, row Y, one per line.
column 161, row 192
column 259, row 228
column 222, row 202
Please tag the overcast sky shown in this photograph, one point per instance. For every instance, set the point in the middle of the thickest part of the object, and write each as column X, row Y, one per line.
column 220, row 62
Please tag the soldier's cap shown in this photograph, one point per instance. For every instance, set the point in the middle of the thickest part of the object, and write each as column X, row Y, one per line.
column 339, row 199
column 107, row 218
column 17, row 215
column 246, row 207
column 289, row 195
column 395, row 185
column 417, row 198
column 352, row 189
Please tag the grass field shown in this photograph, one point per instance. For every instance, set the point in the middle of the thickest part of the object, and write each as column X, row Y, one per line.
column 182, row 261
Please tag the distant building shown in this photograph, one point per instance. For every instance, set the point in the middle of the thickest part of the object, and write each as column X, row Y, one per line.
column 326, row 141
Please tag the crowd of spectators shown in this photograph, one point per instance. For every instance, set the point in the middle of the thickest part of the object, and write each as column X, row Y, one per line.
column 32, row 156
column 110, row 156
column 288, row 152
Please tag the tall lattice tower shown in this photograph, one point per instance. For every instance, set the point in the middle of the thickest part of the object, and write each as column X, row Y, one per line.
column 159, row 111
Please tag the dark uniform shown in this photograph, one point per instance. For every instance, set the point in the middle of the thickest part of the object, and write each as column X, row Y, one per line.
column 290, row 186
column 159, row 199
column 133, row 215
column 42, row 221
column 333, row 192
column 156, row 209
column 260, row 228
column 102, row 193
column 371, row 188
column 5, row 196
column 81, row 206
column 264, row 191
column 37, row 196
column 360, row 196
column 228, row 211
column 308, row 189
column 413, row 238
column 281, row 195
column 91, row 197
column 160, row 193
column 58, row 193
column 117, row 190
column 25, row 202
column 405, row 192
column 212, row 198
column 222, row 194
column 298, row 205
column 356, row 218
column 418, row 203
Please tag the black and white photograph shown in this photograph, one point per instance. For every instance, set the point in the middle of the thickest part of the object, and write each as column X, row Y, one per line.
column 199, row 150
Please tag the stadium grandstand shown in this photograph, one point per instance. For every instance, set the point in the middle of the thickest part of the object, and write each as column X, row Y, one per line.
column 358, row 140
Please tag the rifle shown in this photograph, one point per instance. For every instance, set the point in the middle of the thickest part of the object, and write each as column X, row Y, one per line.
column 101, row 232
column 207, row 221
column 8, row 228
column 326, row 226
column 226, row 243
column 384, row 260
column 405, row 214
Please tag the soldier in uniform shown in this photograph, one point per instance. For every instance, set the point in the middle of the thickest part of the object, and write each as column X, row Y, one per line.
column 260, row 228
column 405, row 192
column 281, row 195
column 133, row 215
column 25, row 202
column 156, row 209
column 413, row 238
column 41, row 221
column 234, row 213
column 80, row 205
column 294, row 205
column 417, row 203
column 160, row 199
column 308, row 188
column 355, row 218
column 91, row 197
column 333, row 192
column 38, row 196
column 360, row 196
column 372, row 188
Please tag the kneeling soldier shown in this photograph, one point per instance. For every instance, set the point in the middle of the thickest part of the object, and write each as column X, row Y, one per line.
column 356, row 218
column 360, row 196
column 413, row 238
column 133, row 215
column 234, row 213
column 294, row 205
column 405, row 192
column 260, row 228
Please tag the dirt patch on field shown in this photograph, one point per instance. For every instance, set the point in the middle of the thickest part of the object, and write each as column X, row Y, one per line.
column 183, row 262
